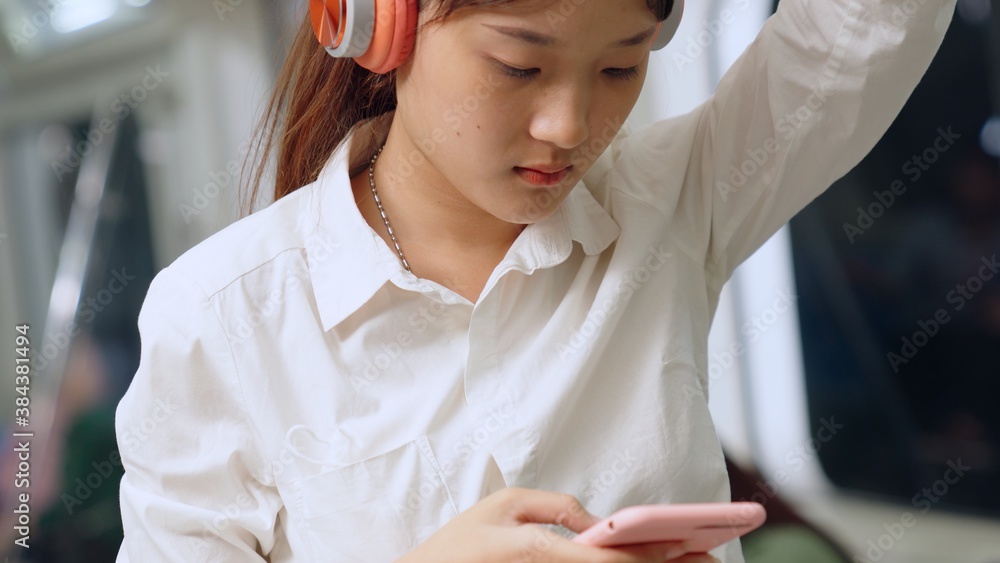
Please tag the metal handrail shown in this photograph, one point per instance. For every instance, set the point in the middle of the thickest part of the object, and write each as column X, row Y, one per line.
column 74, row 260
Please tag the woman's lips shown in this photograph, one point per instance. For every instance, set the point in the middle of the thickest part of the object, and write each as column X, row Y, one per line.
column 537, row 178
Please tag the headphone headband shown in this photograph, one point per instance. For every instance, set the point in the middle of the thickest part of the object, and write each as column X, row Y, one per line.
column 668, row 27
column 379, row 34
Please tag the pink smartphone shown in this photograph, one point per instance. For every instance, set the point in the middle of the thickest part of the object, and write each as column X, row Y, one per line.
column 704, row 526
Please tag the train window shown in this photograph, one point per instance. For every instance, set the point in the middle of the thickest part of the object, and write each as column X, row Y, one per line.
column 899, row 290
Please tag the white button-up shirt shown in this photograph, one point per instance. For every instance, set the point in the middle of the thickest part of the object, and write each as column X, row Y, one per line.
column 302, row 397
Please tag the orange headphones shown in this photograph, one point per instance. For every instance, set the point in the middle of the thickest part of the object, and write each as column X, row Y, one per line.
column 342, row 27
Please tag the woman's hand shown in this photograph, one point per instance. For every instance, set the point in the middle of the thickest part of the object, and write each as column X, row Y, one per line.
column 495, row 530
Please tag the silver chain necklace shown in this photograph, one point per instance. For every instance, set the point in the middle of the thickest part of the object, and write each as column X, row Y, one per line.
column 371, row 180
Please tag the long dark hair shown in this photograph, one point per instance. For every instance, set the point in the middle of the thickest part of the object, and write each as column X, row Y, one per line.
column 318, row 99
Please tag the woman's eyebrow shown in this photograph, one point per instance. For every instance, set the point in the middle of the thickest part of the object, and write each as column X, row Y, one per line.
column 541, row 40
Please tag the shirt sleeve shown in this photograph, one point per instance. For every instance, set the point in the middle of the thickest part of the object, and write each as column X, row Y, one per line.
column 194, row 485
column 807, row 100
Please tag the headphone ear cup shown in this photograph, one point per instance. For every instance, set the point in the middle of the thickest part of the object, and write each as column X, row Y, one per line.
column 669, row 26
column 404, row 36
column 392, row 25
column 342, row 26
column 326, row 17
column 383, row 29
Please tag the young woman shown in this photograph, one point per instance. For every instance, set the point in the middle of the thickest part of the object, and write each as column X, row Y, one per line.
column 476, row 314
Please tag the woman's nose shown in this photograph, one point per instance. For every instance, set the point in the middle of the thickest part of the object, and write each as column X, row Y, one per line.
column 562, row 118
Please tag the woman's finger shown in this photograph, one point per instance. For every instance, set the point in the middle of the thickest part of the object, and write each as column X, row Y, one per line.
column 547, row 507
column 695, row 558
column 657, row 551
column 561, row 549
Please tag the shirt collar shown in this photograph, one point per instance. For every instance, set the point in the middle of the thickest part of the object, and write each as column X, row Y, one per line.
column 348, row 261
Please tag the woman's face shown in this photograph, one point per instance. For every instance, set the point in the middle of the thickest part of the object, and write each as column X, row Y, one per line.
column 475, row 123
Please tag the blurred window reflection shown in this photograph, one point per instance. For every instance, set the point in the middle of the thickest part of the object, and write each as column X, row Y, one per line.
column 899, row 284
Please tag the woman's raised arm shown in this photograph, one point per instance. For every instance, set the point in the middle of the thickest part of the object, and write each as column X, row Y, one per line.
column 807, row 100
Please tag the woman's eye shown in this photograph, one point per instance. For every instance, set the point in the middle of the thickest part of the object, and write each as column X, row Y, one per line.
column 521, row 73
column 624, row 73
column 526, row 73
